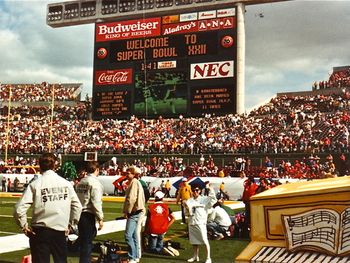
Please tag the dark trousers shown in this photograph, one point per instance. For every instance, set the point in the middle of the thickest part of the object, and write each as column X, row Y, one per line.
column 87, row 233
column 48, row 242
column 183, row 216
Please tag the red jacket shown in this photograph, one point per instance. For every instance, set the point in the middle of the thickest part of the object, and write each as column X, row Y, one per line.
column 249, row 191
column 158, row 218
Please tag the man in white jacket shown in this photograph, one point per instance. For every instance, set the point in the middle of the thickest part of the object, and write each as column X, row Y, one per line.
column 90, row 192
column 55, row 207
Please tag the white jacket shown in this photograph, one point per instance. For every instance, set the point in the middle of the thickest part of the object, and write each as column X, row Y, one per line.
column 54, row 203
column 90, row 192
column 199, row 208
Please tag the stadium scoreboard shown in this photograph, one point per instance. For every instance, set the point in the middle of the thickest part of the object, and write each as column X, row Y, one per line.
column 178, row 64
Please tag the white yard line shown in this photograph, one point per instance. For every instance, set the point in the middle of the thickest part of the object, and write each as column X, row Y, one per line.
column 20, row 241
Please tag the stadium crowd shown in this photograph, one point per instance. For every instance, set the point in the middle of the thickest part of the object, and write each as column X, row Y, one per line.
column 287, row 124
column 338, row 79
column 37, row 92
column 308, row 167
column 296, row 132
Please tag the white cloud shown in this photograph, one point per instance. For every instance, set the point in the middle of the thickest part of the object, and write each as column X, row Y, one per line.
column 294, row 44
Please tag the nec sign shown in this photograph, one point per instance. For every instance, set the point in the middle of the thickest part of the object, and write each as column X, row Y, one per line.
column 212, row 70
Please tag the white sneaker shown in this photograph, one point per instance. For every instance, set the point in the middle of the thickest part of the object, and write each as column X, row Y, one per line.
column 208, row 260
column 193, row 259
column 168, row 251
column 137, row 260
column 174, row 251
column 132, row 261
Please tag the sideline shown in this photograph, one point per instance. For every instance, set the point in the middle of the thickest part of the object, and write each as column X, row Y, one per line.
column 20, row 241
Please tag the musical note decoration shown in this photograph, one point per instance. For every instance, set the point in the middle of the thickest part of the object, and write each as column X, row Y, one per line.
column 322, row 230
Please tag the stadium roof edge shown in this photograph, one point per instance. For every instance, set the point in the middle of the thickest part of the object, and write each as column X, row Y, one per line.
column 59, row 20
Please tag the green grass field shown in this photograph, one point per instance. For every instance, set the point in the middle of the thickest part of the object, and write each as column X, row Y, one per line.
column 223, row 251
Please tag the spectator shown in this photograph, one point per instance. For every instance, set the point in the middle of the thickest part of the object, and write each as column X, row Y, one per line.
column 3, row 184
column 90, row 192
column 133, row 209
column 249, row 190
column 263, row 186
column 16, row 184
column 343, row 165
column 183, row 194
column 197, row 210
column 159, row 219
column 53, row 210
column 9, row 185
column 167, row 188
column 219, row 222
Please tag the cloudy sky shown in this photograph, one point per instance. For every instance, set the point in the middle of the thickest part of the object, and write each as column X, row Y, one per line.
column 289, row 45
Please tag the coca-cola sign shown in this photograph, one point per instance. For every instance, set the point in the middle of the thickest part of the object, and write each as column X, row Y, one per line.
column 113, row 77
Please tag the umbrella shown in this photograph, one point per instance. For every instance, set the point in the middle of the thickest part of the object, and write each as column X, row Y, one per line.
column 178, row 183
column 198, row 181
column 191, row 180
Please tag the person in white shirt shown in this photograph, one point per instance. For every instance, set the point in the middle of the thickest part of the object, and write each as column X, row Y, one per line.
column 219, row 221
column 90, row 192
column 197, row 208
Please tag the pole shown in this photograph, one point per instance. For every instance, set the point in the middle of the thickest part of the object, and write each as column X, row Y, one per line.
column 51, row 117
column 8, row 123
column 240, row 58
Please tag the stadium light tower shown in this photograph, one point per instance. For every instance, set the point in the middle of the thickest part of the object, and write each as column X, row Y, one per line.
column 80, row 12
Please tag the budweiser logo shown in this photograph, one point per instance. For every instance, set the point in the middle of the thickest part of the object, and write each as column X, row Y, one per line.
column 114, row 77
column 127, row 29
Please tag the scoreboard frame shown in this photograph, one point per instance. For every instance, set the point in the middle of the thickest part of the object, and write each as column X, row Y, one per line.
column 178, row 64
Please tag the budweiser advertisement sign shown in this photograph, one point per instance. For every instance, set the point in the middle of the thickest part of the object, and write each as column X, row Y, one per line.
column 212, row 70
column 113, row 77
column 128, row 29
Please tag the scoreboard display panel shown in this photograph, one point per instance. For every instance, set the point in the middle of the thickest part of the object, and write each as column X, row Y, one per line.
column 179, row 64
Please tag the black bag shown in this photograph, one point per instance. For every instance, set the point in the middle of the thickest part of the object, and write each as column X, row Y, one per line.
column 108, row 252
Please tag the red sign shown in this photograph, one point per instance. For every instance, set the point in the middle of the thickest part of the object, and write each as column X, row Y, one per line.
column 216, row 24
column 113, row 77
column 180, row 28
column 128, row 29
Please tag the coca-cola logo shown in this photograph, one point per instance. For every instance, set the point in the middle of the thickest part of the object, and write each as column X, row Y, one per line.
column 114, row 77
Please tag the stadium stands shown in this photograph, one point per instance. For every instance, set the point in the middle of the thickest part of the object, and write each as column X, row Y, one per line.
column 287, row 124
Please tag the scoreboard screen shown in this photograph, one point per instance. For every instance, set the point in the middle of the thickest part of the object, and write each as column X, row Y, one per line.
column 179, row 64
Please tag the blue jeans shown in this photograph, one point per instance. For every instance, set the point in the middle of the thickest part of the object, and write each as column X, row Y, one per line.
column 215, row 229
column 132, row 236
column 87, row 232
column 155, row 243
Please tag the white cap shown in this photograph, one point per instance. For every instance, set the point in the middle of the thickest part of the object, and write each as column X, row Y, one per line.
column 137, row 170
column 184, row 179
column 159, row 195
